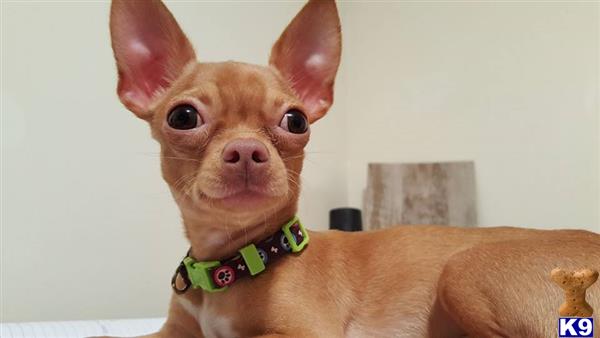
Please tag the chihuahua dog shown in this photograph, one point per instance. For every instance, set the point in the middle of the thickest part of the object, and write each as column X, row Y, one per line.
column 232, row 137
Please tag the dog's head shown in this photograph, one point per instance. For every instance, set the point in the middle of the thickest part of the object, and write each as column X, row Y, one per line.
column 232, row 134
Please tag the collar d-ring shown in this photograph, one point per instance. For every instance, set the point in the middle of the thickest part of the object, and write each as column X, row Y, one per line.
column 183, row 273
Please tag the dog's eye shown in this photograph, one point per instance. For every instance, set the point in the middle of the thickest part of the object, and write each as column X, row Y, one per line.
column 183, row 117
column 294, row 121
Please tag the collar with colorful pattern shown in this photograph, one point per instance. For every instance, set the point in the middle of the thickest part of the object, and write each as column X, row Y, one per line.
column 252, row 259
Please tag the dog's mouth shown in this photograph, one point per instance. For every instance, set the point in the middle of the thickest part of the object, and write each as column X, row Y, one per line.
column 243, row 181
column 240, row 199
column 245, row 198
column 243, row 194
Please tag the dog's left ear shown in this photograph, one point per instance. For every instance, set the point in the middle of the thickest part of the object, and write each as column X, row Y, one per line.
column 308, row 54
column 150, row 49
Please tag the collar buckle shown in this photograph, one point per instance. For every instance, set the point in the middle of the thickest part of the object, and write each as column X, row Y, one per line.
column 200, row 274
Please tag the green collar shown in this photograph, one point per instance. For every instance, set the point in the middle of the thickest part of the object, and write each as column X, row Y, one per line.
column 252, row 259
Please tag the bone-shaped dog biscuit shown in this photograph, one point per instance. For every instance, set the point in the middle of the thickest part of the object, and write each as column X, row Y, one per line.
column 574, row 283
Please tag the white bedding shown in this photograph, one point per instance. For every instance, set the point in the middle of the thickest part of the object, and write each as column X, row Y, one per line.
column 83, row 328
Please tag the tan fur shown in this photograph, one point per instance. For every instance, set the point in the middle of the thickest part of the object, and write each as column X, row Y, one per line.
column 408, row 281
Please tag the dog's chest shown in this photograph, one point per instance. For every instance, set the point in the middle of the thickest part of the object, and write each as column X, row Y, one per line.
column 212, row 325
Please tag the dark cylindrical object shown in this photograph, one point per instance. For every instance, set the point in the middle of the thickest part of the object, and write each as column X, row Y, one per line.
column 346, row 219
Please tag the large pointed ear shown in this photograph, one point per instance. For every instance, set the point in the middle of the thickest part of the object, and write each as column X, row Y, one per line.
column 150, row 49
column 308, row 54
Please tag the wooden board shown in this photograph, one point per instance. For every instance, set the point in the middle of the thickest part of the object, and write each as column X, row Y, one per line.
column 420, row 193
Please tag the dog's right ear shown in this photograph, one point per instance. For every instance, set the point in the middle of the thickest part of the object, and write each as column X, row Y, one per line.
column 150, row 49
column 308, row 53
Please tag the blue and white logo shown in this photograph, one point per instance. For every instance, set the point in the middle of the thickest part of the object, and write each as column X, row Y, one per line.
column 572, row 327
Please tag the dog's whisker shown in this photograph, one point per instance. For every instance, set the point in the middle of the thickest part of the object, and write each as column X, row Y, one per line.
column 181, row 159
column 292, row 157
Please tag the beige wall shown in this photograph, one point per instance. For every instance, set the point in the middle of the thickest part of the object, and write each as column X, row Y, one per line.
column 89, row 230
column 512, row 86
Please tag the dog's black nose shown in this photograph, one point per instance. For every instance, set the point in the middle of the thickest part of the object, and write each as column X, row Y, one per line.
column 245, row 151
